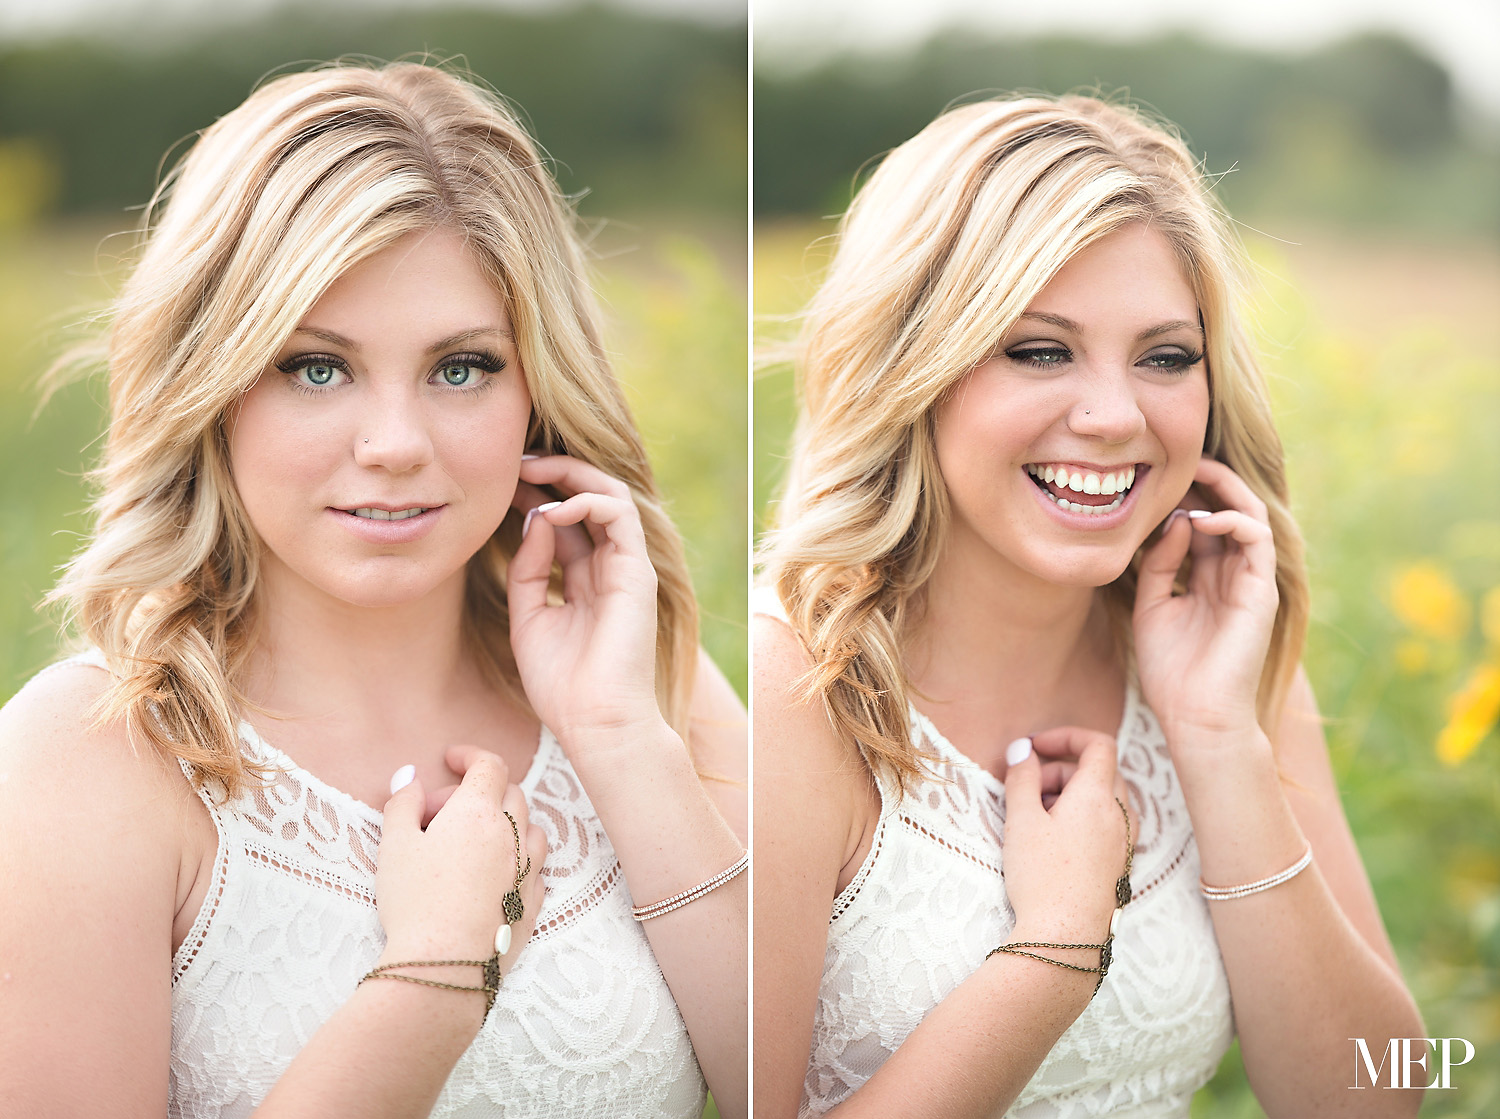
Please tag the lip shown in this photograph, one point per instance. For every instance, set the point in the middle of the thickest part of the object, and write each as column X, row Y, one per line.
column 388, row 532
column 1089, row 522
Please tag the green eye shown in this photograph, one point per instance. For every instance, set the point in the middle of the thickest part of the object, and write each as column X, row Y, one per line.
column 457, row 375
column 319, row 374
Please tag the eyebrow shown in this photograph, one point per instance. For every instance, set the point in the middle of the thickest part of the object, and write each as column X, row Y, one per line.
column 1068, row 324
column 443, row 344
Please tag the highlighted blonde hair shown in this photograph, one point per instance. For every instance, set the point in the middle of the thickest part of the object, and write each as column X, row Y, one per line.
column 313, row 174
column 944, row 247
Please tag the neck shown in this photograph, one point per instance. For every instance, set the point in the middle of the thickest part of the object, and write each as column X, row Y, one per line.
column 319, row 658
column 999, row 653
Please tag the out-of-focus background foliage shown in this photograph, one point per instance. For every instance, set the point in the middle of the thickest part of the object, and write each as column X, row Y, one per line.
column 645, row 116
column 1370, row 202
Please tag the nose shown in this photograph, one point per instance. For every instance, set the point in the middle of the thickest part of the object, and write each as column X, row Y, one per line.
column 1106, row 407
column 392, row 433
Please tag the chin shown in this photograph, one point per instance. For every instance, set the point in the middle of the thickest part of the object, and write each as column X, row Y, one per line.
column 385, row 589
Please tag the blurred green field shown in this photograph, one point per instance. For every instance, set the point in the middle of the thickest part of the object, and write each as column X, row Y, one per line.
column 675, row 300
column 1384, row 359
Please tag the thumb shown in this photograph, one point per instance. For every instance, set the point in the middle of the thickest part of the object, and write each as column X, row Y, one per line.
column 1023, row 777
column 1161, row 562
column 407, row 803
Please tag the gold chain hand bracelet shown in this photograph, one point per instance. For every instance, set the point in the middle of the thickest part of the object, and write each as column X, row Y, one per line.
column 1105, row 950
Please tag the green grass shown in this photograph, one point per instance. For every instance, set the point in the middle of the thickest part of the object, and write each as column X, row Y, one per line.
column 1384, row 370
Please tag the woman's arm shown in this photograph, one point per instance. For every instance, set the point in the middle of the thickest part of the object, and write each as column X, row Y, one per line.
column 976, row 1050
column 670, row 834
column 98, row 838
column 1308, row 962
column 588, row 666
column 91, row 858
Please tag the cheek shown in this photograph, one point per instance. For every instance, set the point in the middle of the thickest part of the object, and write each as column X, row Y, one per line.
column 276, row 453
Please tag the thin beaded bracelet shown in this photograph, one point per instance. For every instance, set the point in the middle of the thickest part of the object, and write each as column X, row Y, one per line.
column 677, row 901
column 1227, row 893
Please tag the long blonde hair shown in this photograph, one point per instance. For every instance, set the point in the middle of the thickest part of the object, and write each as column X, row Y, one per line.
column 314, row 173
column 944, row 247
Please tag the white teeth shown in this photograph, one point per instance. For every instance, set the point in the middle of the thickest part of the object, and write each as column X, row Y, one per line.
column 387, row 515
column 1118, row 482
column 1078, row 507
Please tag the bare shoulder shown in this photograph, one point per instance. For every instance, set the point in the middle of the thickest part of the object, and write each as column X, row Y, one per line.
column 91, row 851
column 721, row 747
column 51, row 744
column 789, row 725
column 1312, row 791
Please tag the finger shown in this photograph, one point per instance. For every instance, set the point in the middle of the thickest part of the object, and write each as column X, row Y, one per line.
column 1252, row 536
column 514, row 802
column 435, row 802
column 1162, row 561
column 529, row 573
column 1066, row 743
column 1055, row 776
column 1023, row 780
column 572, row 476
column 608, row 518
column 1062, row 743
column 1096, row 759
column 404, row 809
column 1230, row 488
column 479, row 769
column 1122, row 794
column 570, row 543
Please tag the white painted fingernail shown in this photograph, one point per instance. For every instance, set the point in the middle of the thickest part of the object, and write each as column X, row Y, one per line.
column 402, row 778
column 1018, row 751
column 526, row 524
column 1198, row 514
column 528, row 458
column 549, row 505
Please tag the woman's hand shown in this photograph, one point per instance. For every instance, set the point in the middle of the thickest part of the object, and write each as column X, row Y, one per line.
column 1062, row 862
column 1200, row 654
column 589, row 662
column 439, row 890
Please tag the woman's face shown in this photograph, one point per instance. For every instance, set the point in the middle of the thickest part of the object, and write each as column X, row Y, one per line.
column 1066, row 449
column 381, row 449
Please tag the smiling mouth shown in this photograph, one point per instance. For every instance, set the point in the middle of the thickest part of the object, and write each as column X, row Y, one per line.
column 371, row 514
column 1083, row 491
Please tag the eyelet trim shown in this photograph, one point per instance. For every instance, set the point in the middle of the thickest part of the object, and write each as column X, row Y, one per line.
column 331, row 882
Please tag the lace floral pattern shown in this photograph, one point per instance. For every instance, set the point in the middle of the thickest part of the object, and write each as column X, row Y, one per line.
column 585, row 1027
column 929, row 903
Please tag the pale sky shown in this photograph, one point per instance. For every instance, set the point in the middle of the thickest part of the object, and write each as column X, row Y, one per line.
column 1462, row 34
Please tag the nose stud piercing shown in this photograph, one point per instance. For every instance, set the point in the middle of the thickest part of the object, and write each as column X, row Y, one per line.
column 368, row 440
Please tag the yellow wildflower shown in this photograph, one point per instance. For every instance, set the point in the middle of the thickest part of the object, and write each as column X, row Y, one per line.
column 1426, row 600
column 1472, row 713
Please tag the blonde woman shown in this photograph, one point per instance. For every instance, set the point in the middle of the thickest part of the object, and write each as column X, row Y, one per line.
column 379, row 577
column 1040, row 786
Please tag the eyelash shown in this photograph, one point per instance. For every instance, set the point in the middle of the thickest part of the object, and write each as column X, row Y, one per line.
column 1176, row 361
column 485, row 361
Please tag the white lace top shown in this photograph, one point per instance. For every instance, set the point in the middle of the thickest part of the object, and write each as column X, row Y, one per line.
column 929, row 903
column 584, row 1025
